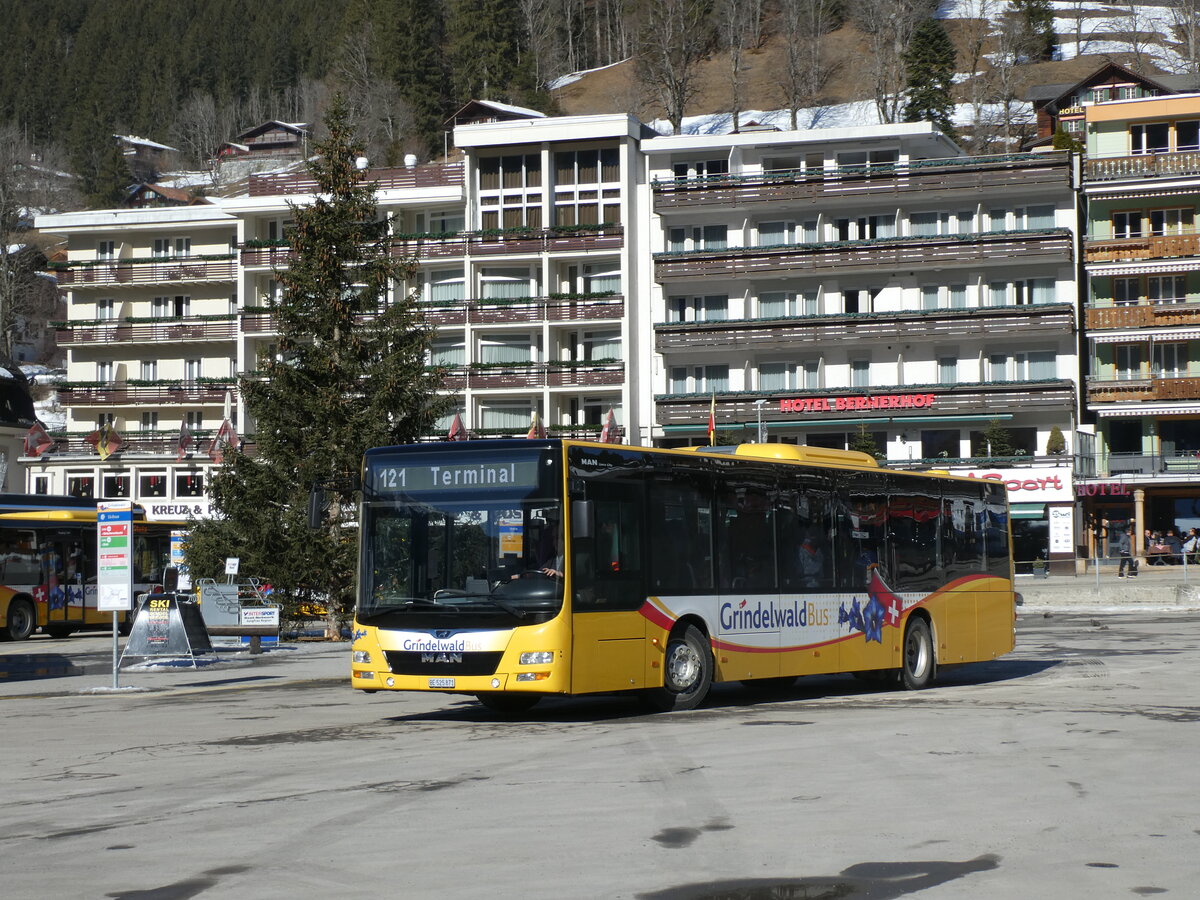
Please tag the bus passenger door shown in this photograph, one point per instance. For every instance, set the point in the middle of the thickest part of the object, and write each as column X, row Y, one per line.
column 609, row 647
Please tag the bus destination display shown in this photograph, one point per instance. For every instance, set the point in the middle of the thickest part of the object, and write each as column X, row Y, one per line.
column 455, row 476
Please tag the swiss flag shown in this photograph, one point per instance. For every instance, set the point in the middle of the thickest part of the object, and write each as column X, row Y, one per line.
column 893, row 606
column 37, row 441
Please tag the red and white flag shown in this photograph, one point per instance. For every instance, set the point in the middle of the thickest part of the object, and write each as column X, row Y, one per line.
column 458, row 431
column 609, row 433
column 536, row 430
column 37, row 441
column 226, row 438
column 184, row 443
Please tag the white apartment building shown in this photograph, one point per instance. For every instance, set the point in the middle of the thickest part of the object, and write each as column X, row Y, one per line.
column 819, row 282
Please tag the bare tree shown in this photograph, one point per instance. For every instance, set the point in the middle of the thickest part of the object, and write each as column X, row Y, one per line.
column 737, row 27
column 374, row 105
column 29, row 184
column 673, row 38
column 1077, row 13
column 806, row 68
column 889, row 26
column 1185, row 21
column 541, row 19
column 1000, row 122
column 1134, row 25
column 977, row 32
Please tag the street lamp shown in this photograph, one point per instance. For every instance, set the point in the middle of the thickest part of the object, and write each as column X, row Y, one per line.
column 762, row 435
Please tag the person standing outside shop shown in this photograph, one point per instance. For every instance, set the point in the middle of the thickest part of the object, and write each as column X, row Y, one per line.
column 1125, row 551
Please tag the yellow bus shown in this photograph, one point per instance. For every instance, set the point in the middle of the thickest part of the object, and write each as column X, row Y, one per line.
column 681, row 568
column 48, row 566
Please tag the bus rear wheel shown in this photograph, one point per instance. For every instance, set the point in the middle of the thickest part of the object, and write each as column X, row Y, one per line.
column 508, row 704
column 919, row 667
column 687, row 672
column 22, row 620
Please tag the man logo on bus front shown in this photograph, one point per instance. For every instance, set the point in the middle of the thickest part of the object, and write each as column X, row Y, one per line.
column 442, row 633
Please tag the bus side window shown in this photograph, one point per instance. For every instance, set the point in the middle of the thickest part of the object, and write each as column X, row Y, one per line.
column 679, row 514
column 608, row 570
column 745, row 533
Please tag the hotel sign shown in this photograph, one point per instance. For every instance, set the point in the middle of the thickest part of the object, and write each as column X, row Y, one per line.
column 856, row 404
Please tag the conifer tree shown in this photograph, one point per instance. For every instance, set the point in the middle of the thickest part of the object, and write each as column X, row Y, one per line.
column 929, row 66
column 864, row 442
column 1036, row 27
column 350, row 374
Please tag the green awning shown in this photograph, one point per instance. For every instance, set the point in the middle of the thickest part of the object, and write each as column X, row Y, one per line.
column 1027, row 510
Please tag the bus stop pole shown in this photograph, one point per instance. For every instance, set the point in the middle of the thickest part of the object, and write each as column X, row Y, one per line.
column 115, row 657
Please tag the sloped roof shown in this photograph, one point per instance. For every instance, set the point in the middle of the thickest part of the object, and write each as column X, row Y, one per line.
column 491, row 111
column 300, row 129
column 170, row 194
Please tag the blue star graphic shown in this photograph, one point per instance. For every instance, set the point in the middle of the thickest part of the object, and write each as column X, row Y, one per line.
column 873, row 620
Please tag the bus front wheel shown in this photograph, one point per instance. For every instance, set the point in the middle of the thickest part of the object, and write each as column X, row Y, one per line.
column 919, row 667
column 22, row 620
column 687, row 672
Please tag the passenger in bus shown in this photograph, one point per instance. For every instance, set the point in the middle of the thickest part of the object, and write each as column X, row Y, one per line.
column 812, row 561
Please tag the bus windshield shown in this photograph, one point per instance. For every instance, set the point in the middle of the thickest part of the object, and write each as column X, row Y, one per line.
column 445, row 550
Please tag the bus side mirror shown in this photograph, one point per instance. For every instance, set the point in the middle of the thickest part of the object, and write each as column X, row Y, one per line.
column 582, row 519
column 170, row 580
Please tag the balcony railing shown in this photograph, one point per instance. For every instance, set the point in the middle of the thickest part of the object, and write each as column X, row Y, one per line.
column 960, row 174
column 535, row 375
column 968, row 398
column 1150, row 387
column 116, row 393
column 136, row 441
column 1132, row 249
column 224, row 328
column 1152, row 165
column 166, row 271
column 448, row 175
column 479, row 312
column 565, row 432
column 273, row 257
column 1144, row 313
column 1157, row 465
column 1041, row 320
column 1031, row 247
column 483, row 243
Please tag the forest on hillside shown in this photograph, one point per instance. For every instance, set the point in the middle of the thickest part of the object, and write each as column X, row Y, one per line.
column 193, row 73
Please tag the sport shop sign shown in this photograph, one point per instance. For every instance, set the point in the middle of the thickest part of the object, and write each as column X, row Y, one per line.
column 1044, row 484
column 856, row 404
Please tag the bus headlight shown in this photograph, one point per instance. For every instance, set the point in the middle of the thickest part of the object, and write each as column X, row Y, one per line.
column 532, row 676
column 537, row 658
column 362, row 656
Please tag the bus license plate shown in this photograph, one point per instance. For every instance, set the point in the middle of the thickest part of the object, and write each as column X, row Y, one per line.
column 441, row 682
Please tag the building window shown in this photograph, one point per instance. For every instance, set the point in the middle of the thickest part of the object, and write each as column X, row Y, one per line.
column 106, row 309
column 189, row 485
column 194, row 421
column 115, row 486
column 1035, row 366
column 1170, row 359
column 104, row 372
column 446, row 285
column 191, row 370
column 41, row 484
column 106, row 250
column 510, row 191
column 1034, row 290
column 513, row 349
column 447, row 351
column 860, row 373
column 706, row 237
column 1126, row 291
column 182, row 306
column 774, row 304
column 449, row 221
column 149, row 370
column 152, row 485
column 1039, row 217
column 150, row 420
column 712, row 308
column 1128, row 359
column 1151, row 137
column 773, row 376
column 81, row 486
column 997, row 367
column 929, row 297
column 505, row 416
column 704, row 168
column 1166, row 288
column 774, row 234
column 1127, row 224
column 506, row 284
column 1172, row 221
column 948, row 370
column 1187, row 135
column 602, row 345
column 958, row 296
column 699, row 379
column 997, row 219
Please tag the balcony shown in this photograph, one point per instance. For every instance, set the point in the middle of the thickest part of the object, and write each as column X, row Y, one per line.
column 148, row 442
column 1136, row 168
column 1032, row 247
column 1134, row 249
column 535, row 375
column 1143, row 314
column 448, row 175
column 162, row 271
column 154, row 332
column 965, row 175
column 510, row 241
column 1150, row 387
column 881, row 404
column 1041, row 320
column 490, row 312
column 131, row 393
column 266, row 257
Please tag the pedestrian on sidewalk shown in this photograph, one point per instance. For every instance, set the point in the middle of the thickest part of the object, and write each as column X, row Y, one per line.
column 1125, row 551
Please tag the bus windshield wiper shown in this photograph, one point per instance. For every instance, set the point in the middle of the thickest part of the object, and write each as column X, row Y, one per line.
column 499, row 603
column 396, row 604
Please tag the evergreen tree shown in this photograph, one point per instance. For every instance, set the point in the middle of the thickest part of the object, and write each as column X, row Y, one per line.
column 864, row 442
column 1036, row 28
column 350, row 375
column 929, row 67
column 1064, row 140
column 998, row 440
column 1055, row 442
